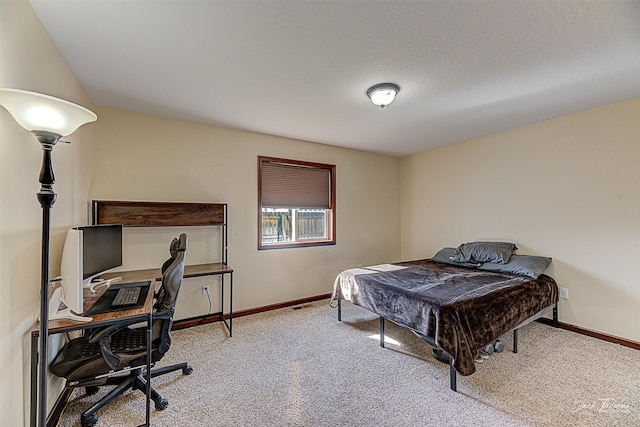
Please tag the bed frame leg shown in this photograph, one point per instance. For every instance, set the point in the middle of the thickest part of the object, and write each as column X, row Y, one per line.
column 556, row 324
column 452, row 376
column 515, row 340
column 381, row 331
column 339, row 310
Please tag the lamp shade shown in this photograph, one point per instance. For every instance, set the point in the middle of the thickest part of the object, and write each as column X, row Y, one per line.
column 383, row 94
column 37, row 112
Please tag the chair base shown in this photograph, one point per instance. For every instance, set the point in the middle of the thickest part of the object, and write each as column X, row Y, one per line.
column 135, row 380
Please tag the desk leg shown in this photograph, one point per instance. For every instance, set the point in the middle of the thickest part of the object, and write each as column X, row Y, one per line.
column 34, row 379
column 228, row 324
column 148, row 373
column 222, row 304
column 149, row 339
column 230, row 304
column 222, row 301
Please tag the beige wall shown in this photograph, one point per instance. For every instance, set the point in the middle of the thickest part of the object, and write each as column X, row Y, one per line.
column 141, row 157
column 568, row 188
column 29, row 60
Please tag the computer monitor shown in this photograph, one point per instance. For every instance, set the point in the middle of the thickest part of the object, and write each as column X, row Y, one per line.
column 88, row 252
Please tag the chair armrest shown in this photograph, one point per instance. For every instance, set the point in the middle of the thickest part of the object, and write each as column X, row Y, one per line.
column 110, row 359
column 98, row 334
column 103, row 337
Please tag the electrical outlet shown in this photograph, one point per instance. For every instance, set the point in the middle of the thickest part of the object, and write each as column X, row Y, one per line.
column 205, row 289
column 564, row 293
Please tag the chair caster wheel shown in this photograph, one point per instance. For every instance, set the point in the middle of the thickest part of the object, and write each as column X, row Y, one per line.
column 91, row 390
column 489, row 349
column 187, row 371
column 89, row 420
column 161, row 404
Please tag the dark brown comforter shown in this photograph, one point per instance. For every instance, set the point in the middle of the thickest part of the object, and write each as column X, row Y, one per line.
column 460, row 309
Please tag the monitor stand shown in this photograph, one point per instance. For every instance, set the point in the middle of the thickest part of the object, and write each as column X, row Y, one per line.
column 92, row 285
column 56, row 313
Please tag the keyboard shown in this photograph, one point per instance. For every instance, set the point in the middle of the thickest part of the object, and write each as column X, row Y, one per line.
column 126, row 296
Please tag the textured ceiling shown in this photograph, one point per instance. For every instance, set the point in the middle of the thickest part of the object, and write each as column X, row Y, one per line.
column 301, row 69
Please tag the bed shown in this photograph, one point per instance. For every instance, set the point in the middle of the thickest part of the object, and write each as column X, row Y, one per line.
column 456, row 306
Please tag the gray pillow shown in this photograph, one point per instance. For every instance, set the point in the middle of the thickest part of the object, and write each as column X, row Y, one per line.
column 444, row 255
column 524, row 265
column 496, row 252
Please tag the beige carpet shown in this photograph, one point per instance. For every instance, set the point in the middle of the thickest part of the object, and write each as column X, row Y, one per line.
column 304, row 368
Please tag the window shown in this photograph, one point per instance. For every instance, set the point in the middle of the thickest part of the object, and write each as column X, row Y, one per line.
column 296, row 203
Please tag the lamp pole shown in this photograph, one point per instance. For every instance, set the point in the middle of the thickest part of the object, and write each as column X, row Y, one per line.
column 46, row 197
column 49, row 119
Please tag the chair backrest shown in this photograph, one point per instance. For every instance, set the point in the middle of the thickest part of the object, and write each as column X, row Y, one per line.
column 173, row 252
column 172, row 274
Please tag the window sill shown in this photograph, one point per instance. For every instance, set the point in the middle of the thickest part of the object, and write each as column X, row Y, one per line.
column 267, row 246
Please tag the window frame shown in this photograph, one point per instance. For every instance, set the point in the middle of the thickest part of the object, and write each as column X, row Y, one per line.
column 331, row 211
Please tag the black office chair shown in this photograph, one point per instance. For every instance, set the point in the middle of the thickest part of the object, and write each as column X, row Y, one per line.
column 116, row 354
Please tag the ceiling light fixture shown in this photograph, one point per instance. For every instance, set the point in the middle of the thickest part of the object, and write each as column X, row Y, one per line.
column 383, row 94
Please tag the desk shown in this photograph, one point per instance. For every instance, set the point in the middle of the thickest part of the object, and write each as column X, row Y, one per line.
column 143, row 313
column 104, row 319
column 198, row 270
column 172, row 214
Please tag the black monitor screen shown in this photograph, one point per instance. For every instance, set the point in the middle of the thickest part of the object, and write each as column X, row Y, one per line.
column 101, row 249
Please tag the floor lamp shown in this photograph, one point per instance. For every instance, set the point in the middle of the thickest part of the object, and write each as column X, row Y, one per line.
column 49, row 119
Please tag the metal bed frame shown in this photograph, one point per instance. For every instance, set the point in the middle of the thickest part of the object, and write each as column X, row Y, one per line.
column 453, row 383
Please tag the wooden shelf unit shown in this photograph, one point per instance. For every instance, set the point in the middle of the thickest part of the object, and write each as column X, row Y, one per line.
column 162, row 214
column 174, row 214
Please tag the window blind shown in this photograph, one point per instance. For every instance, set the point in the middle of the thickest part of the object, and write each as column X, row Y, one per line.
column 294, row 186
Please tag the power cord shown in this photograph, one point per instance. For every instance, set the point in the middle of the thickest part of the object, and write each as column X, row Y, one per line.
column 209, row 298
